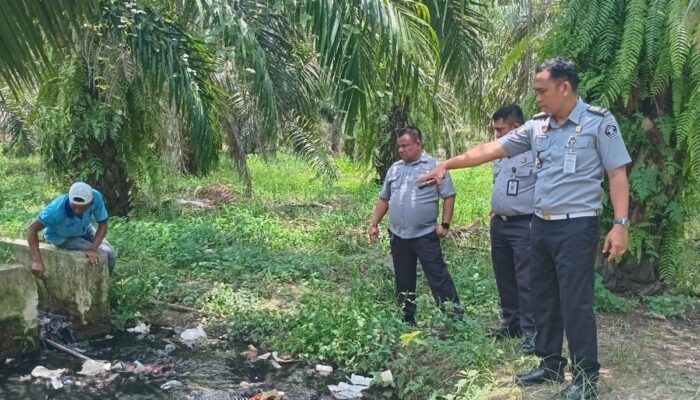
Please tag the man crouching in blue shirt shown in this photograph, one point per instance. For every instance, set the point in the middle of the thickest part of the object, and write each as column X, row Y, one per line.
column 67, row 220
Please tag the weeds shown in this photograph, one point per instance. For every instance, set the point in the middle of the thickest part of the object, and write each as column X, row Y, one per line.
column 290, row 269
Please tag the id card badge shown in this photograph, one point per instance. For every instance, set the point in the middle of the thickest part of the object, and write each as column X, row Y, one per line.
column 570, row 163
column 512, row 187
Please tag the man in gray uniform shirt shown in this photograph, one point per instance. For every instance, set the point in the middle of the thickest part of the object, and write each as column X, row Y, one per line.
column 414, row 232
column 575, row 144
column 511, row 207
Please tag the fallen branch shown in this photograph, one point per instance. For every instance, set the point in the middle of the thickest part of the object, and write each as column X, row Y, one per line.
column 177, row 307
column 67, row 350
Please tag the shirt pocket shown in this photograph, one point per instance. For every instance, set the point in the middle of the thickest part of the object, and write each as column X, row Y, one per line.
column 541, row 143
column 524, row 171
column 586, row 153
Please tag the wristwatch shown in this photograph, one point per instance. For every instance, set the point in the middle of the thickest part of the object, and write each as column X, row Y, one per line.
column 445, row 225
column 622, row 221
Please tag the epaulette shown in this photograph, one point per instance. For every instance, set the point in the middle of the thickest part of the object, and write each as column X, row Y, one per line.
column 602, row 111
column 541, row 115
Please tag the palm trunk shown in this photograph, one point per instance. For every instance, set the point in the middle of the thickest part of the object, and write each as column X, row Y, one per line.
column 114, row 183
column 237, row 152
column 388, row 154
column 641, row 274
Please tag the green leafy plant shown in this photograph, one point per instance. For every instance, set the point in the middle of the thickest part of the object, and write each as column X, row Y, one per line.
column 607, row 301
column 670, row 305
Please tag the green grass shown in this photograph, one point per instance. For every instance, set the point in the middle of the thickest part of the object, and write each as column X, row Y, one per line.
column 291, row 270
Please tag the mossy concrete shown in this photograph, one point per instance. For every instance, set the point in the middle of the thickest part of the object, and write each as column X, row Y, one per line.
column 71, row 285
column 18, row 310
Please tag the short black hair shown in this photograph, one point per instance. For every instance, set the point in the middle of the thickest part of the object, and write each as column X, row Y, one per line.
column 509, row 114
column 412, row 131
column 561, row 68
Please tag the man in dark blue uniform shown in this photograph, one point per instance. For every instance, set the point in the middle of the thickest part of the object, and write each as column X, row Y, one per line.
column 511, row 208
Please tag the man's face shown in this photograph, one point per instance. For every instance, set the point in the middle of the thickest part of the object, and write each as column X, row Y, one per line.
column 79, row 209
column 409, row 149
column 501, row 127
column 551, row 93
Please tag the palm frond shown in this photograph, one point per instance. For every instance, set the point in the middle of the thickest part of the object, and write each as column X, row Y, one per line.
column 29, row 29
column 170, row 58
column 304, row 135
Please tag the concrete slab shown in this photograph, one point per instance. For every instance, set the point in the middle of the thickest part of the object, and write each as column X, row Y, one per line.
column 18, row 310
column 71, row 286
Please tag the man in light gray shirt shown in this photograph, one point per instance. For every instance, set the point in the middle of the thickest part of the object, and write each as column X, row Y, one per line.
column 414, row 232
column 575, row 146
column 511, row 208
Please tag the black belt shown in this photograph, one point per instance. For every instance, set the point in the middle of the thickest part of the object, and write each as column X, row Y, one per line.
column 514, row 218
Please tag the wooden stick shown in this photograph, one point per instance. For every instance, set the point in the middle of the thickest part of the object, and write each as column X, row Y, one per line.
column 67, row 350
column 177, row 307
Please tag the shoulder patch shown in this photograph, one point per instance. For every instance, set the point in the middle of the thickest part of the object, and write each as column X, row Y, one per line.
column 611, row 131
column 599, row 110
column 541, row 115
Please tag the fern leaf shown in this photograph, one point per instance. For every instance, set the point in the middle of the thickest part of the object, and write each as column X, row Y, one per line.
column 677, row 36
column 671, row 246
column 656, row 17
column 627, row 61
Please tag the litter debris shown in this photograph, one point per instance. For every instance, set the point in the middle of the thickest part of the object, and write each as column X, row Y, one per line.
column 271, row 395
column 251, row 353
column 94, row 367
column 345, row 391
column 360, row 380
column 195, row 204
column 170, row 347
column 25, row 378
column 137, row 367
column 324, row 370
column 194, row 337
column 171, row 385
column 386, row 378
column 353, row 390
column 141, row 328
column 52, row 374
column 283, row 359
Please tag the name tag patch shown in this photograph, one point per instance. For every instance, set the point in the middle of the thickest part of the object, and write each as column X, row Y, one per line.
column 570, row 163
column 512, row 187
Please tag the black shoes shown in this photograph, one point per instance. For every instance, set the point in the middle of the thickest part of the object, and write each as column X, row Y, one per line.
column 578, row 391
column 528, row 346
column 504, row 331
column 541, row 374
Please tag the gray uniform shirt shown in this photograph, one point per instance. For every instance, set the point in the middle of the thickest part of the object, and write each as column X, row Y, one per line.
column 413, row 212
column 572, row 157
column 513, row 185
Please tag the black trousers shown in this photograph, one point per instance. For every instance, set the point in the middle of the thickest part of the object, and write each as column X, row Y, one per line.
column 405, row 253
column 562, row 279
column 510, row 254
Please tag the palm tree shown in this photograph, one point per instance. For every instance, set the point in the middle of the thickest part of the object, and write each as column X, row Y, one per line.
column 104, row 63
column 384, row 58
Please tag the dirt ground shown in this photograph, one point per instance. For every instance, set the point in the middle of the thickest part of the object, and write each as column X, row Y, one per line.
column 642, row 358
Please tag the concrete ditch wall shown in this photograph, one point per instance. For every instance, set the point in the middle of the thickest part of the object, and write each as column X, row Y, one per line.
column 71, row 285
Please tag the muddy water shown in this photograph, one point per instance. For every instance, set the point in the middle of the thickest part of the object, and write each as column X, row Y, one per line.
column 213, row 372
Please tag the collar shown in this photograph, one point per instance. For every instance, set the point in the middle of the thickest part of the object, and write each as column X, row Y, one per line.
column 423, row 158
column 574, row 116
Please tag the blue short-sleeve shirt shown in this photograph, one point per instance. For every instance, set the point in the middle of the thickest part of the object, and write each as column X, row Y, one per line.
column 61, row 222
